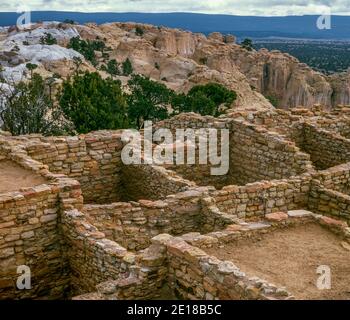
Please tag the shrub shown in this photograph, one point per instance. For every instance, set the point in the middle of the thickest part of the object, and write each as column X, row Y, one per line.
column 48, row 39
column 87, row 48
column 203, row 61
column 113, row 67
column 127, row 67
column 273, row 100
column 204, row 99
column 149, row 100
column 139, row 31
column 31, row 67
column 69, row 21
column 27, row 109
column 247, row 44
column 93, row 103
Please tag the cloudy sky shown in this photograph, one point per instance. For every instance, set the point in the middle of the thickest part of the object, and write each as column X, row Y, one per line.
column 239, row 7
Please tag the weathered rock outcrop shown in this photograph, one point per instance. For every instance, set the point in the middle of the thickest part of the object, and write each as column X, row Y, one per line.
column 183, row 55
column 173, row 56
column 283, row 77
column 181, row 59
column 341, row 88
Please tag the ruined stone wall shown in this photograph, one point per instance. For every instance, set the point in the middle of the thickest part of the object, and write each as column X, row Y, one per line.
column 30, row 234
column 182, row 265
column 325, row 148
column 330, row 192
column 193, row 274
column 75, row 249
column 329, row 202
column 257, row 154
column 149, row 182
column 260, row 198
column 133, row 224
column 199, row 173
column 336, row 178
column 92, row 258
column 99, row 263
column 93, row 159
column 337, row 125
column 277, row 120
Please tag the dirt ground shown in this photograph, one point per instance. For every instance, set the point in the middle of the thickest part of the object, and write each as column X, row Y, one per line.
column 14, row 177
column 290, row 258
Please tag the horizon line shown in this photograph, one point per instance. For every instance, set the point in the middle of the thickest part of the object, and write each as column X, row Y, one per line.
column 184, row 12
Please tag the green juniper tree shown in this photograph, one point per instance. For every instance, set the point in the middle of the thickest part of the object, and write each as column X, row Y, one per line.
column 204, row 99
column 127, row 67
column 113, row 68
column 87, row 48
column 247, row 44
column 93, row 103
column 77, row 63
column 48, row 39
column 31, row 67
column 149, row 100
column 139, row 31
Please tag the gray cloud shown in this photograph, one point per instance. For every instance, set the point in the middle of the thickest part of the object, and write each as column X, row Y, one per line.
column 239, row 7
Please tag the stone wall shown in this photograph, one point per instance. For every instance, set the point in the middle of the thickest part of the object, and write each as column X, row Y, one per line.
column 341, row 126
column 195, row 275
column 325, row 148
column 133, row 224
column 199, row 173
column 92, row 258
column 92, row 159
column 73, row 248
column 30, row 233
column 329, row 203
column 150, row 182
column 256, row 154
column 182, row 265
column 330, row 192
column 336, row 178
column 260, row 198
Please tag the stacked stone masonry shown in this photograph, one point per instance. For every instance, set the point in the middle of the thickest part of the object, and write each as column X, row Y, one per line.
column 99, row 229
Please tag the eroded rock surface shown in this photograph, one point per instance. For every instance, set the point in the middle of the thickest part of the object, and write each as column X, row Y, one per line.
column 181, row 59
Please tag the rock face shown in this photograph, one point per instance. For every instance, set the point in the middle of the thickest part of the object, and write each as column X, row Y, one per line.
column 341, row 88
column 186, row 58
column 181, row 59
column 283, row 77
column 175, row 57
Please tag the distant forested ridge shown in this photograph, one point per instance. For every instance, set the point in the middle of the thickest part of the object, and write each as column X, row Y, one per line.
column 241, row 26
